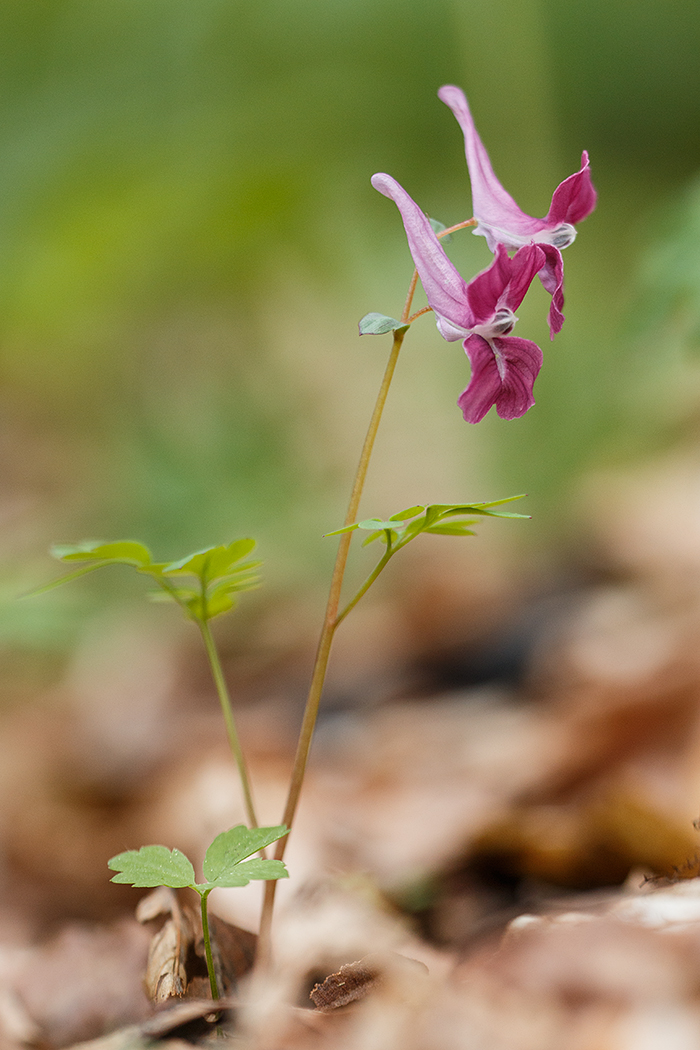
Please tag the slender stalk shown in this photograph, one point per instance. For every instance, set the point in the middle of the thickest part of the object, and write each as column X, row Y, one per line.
column 379, row 567
column 331, row 619
column 459, row 226
column 207, row 945
column 227, row 711
column 329, row 626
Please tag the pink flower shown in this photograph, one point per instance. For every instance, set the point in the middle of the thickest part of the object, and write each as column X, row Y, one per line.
column 480, row 313
column 501, row 221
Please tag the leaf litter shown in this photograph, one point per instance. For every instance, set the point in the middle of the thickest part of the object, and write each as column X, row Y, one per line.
column 534, row 849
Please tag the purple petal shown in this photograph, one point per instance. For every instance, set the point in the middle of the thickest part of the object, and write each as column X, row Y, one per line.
column 504, row 283
column 503, row 374
column 445, row 288
column 485, row 290
column 492, row 205
column 552, row 277
column 525, row 265
column 574, row 198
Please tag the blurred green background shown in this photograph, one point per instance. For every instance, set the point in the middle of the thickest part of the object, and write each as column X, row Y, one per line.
column 188, row 237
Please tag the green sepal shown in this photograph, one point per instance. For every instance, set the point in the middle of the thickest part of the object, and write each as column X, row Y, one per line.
column 152, row 866
column 380, row 324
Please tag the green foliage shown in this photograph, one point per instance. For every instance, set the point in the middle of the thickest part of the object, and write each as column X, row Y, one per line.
column 442, row 519
column 380, row 324
column 225, row 865
column 234, row 846
column 152, row 866
column 219, row 573
column 225, row 862
column 445, row 519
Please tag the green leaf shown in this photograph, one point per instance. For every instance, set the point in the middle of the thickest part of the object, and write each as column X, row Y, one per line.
column 243, row 579
column 377, row 523
column 380, row 535
column 212, row 562
column 235, row 845
column 453, row 528
column 485, row 508
column 217, row 604
column 261, row 869
column 438, row 227
column 403, row 530
column 410, row 512
column 339, row 532
column 192, row 564
column 125, row 552
column 413, row 529
column 44, row 587
column 380, row 324
column 153, row 866
column 433, row 513
column 241, row 874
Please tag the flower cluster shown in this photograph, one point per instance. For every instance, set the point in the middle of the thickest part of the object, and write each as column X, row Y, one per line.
column 481, row 312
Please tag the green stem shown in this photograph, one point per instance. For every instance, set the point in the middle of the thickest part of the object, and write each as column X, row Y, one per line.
column 207, row 945
column 332, row 620
column 328, row 630
column 227, row 712
column 379, row 567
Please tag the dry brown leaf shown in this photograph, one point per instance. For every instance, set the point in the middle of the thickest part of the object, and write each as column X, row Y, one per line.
column 166, row 970
column 354, row 981
column 81, row 983
column 176, row 958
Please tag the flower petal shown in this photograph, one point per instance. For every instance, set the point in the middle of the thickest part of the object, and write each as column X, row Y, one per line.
column 574, row 198
column 503, row 374
column 445, row 288
column 485, row 290
column 492, row 205
column 525, row 265
column 504, row 283
column 552, row 277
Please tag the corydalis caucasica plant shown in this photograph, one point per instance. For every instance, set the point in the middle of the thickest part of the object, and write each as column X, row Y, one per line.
column 480, row 313
column 204, row 584
column 226, row 865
